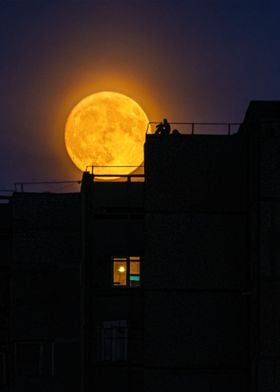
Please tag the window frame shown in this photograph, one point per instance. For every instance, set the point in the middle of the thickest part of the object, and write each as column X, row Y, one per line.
column 129, row 282
column 45, row 356
column 31, row 372
column 114, row 344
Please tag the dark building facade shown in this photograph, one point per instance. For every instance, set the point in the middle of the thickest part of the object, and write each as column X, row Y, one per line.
column 187, row 323
column 113, row 244
column 45, row 294
column 165, row 282
column 6, row 254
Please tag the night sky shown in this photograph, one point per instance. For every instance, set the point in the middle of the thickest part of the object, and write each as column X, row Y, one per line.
column 184, row 60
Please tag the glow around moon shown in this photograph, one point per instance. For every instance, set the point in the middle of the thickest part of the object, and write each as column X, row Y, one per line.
column 104, row 130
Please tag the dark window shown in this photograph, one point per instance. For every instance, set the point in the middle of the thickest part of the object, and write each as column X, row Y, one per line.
column 34, row 358
column 114, row 340
column 28, row 358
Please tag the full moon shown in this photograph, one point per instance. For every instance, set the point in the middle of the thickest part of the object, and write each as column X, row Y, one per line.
column 106, row 130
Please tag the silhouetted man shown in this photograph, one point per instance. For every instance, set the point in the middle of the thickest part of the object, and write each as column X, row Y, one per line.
column 163, row 128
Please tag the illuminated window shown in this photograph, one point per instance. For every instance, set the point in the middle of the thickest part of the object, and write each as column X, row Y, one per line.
column 114, row 340
column 126, row 271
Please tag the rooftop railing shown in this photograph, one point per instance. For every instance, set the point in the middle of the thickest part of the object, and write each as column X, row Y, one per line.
column 116, row 173
column 198, row 128
column 47, row 186
column 136, row 173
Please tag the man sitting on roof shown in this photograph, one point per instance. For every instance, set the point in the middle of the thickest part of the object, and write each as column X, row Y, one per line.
column 163, row 128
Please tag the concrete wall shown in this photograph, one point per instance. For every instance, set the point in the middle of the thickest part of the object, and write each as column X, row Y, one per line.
column 262, row 124
column 113, row 226
column 201, row 173
column 196, row 266
column 5, row 264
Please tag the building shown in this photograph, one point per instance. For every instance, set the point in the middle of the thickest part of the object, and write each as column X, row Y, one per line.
column 6, row 250
column 170, row 281
column 45, row 292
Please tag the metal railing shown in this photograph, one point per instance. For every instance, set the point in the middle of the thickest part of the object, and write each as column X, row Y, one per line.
column 198, row 128
column 186, row 128
column 20, row 186
column 116, row 174
column 41, row 186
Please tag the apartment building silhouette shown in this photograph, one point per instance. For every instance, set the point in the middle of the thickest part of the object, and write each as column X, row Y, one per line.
column 165, row 281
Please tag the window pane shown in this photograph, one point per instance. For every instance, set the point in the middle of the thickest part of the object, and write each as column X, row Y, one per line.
column 134, row 278
column 135, row 283
column 134, row 268
column 107, row 349
column 28, row 358
column 114, row 340
column 120, row 272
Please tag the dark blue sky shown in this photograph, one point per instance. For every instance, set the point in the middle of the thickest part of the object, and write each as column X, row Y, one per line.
column 184, row 60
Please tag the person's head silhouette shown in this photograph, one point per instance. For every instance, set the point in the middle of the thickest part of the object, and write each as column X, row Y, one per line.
column 166, row 127
column 163, row 128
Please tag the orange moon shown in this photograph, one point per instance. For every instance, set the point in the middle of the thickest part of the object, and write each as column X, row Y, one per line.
column 104, row 130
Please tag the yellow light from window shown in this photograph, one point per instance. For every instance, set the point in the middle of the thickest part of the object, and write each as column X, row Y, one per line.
column 120, row 268
column 135, row 267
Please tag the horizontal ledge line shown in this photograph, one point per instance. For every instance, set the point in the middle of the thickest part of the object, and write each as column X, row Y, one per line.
column 197, row 290
column 118, row 175
column 198, row 123
column 94, row 166
column 216, row 370
column 49, row 182
column 194, row 212
column 187, row 290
